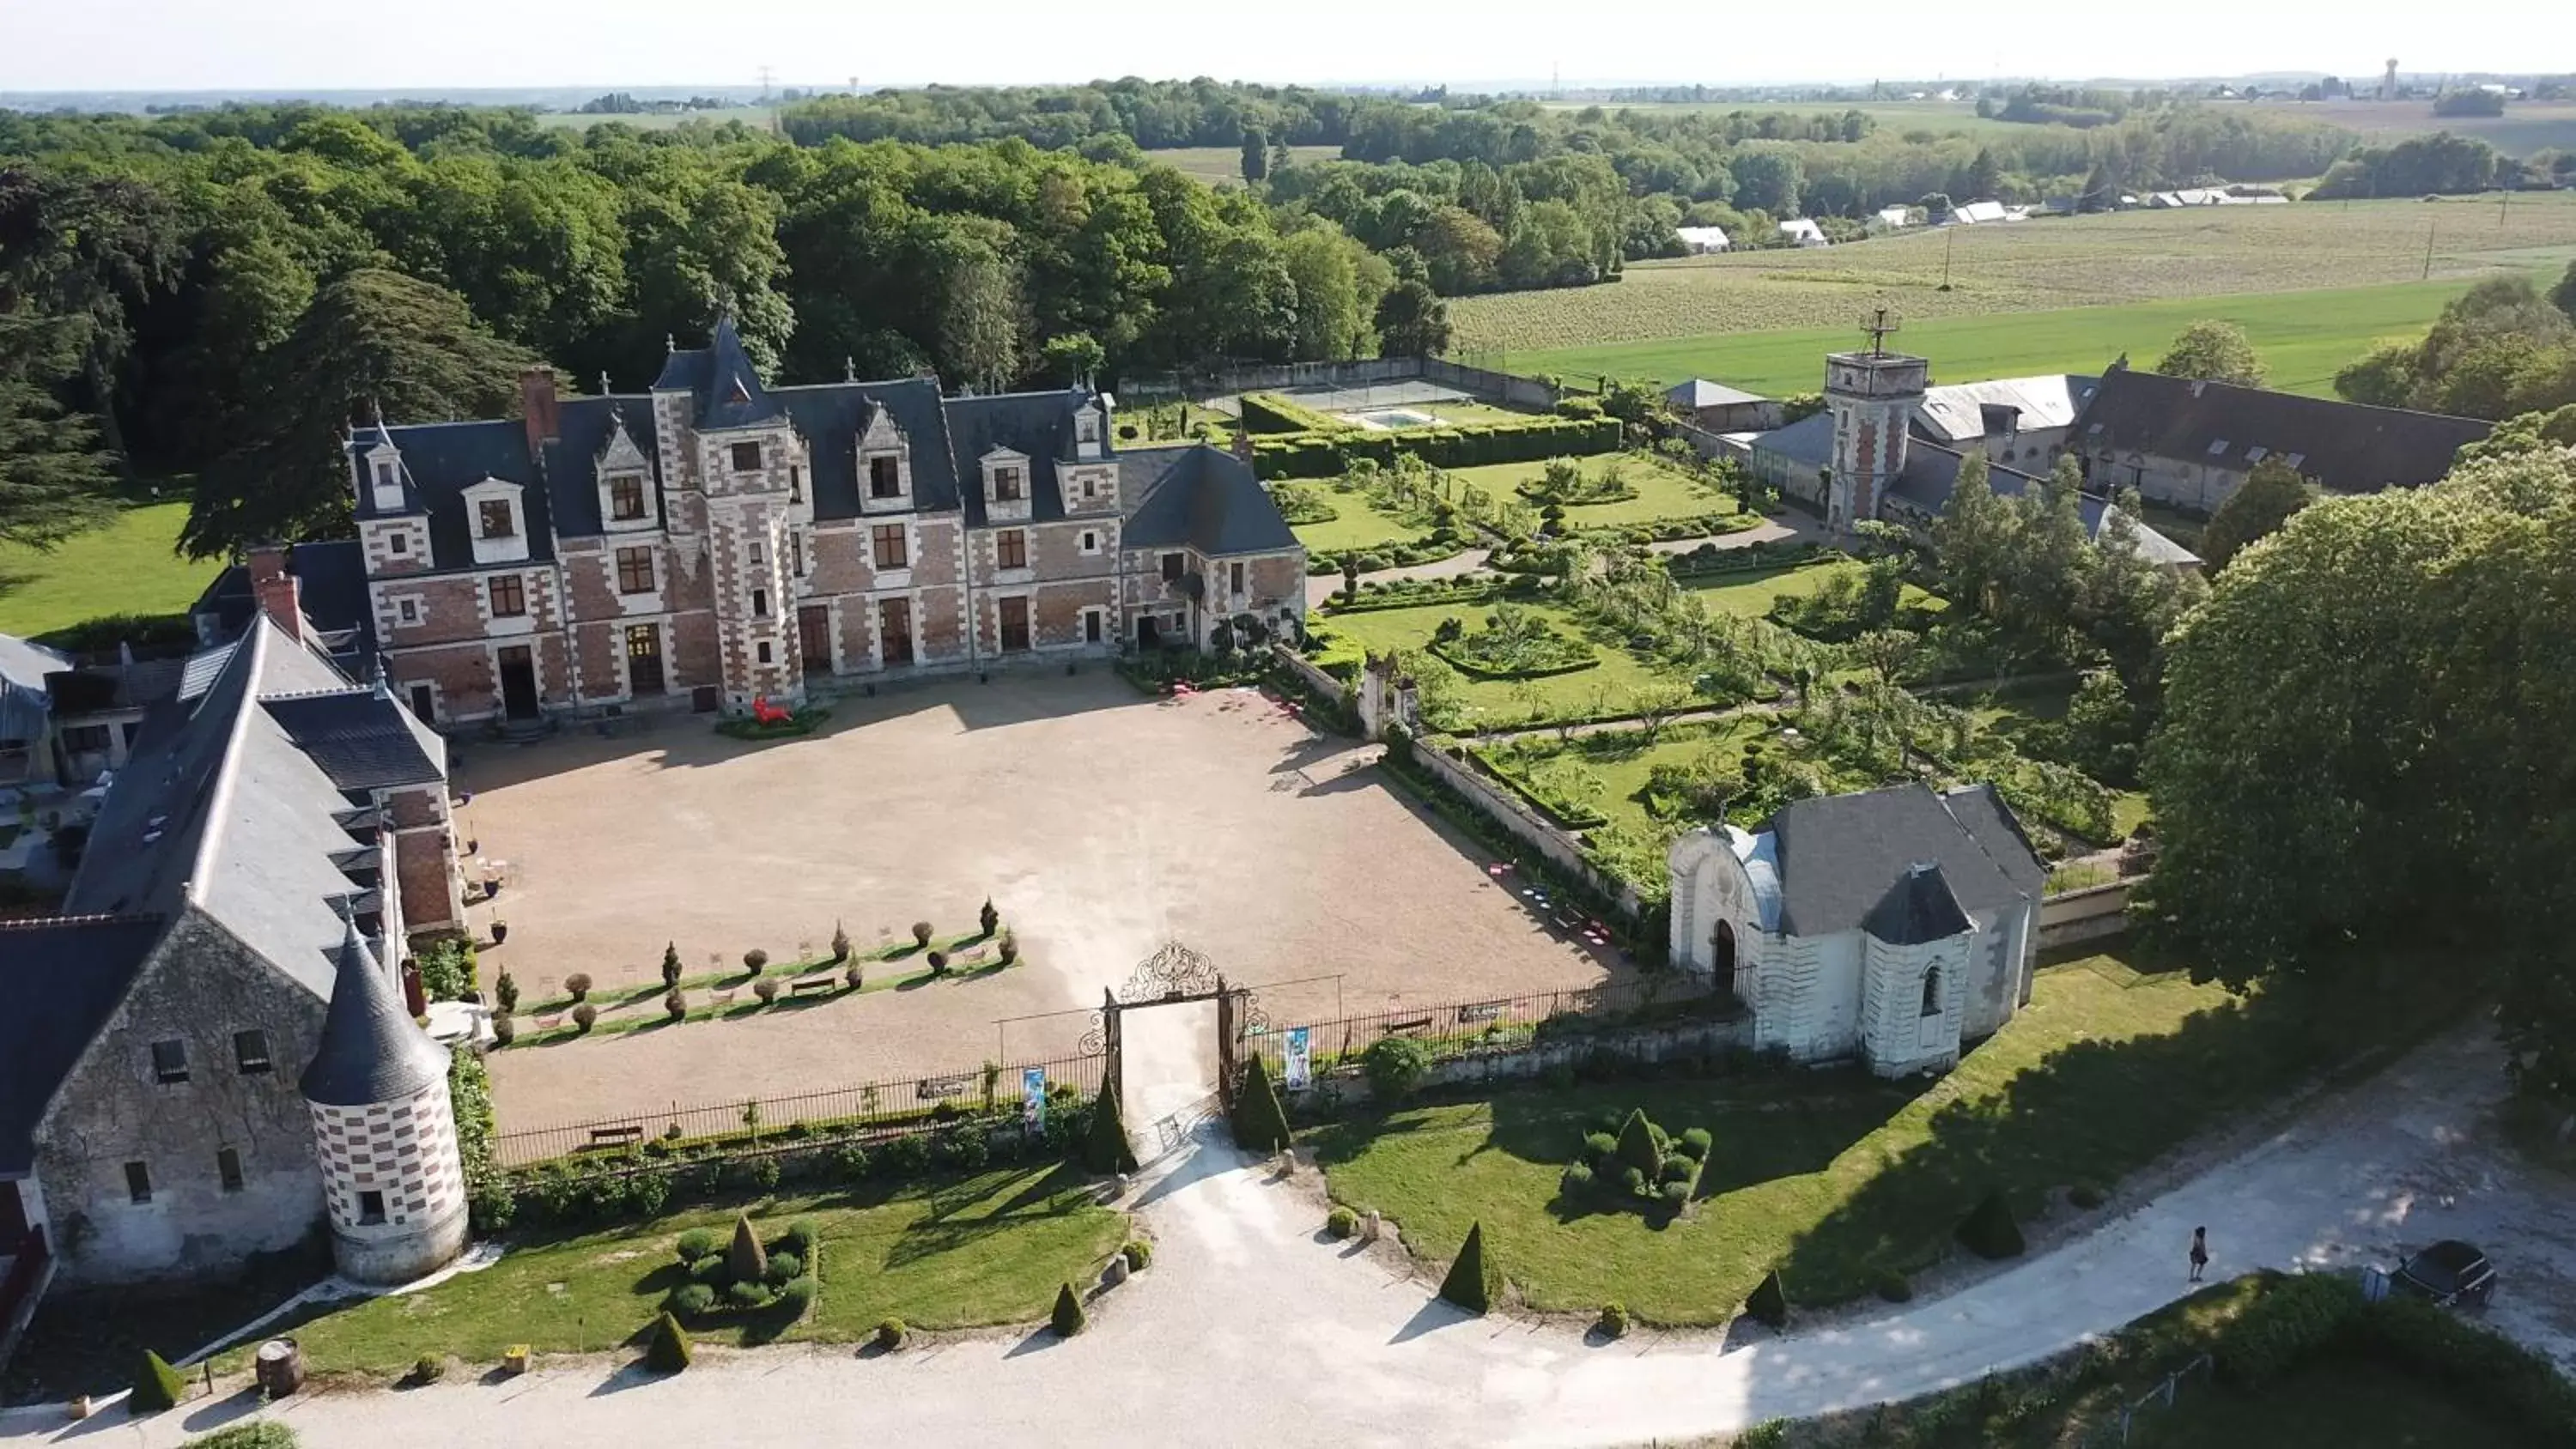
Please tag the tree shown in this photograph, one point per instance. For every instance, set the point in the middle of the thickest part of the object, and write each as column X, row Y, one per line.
column 1640, row 1145
column 2210, row 351
column 2102, row 728
column 157, row 1386
column 1072, row 358
column 1887, row 652
column 1974, row 538
column 1412, row 321
column 667, row 1350
column 373, row 341
column 1104, row 1146
column 1656, row 703
column 53, row 475
column 1472, row 1281
column 1260, row 1122
column 2256, row 510
column 1067, row 1318
column 98, row 247
column 1256, row 156
column 2563, row 296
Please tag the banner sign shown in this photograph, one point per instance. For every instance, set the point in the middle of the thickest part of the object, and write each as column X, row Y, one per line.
column 1482, row 1011
column 1301, row 1062
column 933, row 1088
column 1033, row 1096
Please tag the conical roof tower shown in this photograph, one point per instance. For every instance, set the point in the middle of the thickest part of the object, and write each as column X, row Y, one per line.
column 371, row 1051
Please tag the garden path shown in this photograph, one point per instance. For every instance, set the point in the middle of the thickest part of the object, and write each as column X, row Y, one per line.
column 1251, row 1328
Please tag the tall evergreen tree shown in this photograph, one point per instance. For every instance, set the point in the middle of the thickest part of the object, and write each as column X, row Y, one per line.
column 1256, row 156
column 371, row 341
column 53, row 474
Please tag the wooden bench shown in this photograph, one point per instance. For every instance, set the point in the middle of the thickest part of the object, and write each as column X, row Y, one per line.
column 1419, row 1023
column 616, row 1136
column 812, row 984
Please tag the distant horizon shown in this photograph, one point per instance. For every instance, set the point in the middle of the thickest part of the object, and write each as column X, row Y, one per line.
column 294, row 48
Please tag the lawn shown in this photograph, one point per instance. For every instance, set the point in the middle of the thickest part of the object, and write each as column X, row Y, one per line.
column 1837, row 1179
column 1359, row 523
column 1495, row 703
column 985, row 1250
column 2192, row 256
column 1662, row 492
column 128, row 567
column 1751, row 593
column 1223, row 165
column 2329, row 1406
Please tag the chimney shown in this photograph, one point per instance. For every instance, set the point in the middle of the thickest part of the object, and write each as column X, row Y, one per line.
column 280, row 596
column 537, row 405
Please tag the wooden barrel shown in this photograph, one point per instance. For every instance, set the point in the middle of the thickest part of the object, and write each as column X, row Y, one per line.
column 279, row 1366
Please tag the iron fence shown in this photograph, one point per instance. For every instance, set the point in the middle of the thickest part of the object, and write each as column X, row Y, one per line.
column 1456, row 1029
column 863, row 1112
column 2117, row 1431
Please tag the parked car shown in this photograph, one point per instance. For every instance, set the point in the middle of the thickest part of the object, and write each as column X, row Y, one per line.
column 2450, row 1273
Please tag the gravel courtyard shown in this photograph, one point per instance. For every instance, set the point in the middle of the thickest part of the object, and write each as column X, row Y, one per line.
column 1098, row 821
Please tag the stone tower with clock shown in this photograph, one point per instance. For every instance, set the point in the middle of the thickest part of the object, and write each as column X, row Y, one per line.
column 1872, row 395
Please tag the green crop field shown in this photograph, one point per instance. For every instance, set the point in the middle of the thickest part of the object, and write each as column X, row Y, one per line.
column 1939, row 118
column 2127, row 257
column 756, row 117
column 2304, row 337
column 128, row 567
column 1225, row 163
column 2525, row 126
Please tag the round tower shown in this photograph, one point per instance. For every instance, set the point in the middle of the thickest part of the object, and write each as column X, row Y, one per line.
column 1872, row 396
column 383, row 1130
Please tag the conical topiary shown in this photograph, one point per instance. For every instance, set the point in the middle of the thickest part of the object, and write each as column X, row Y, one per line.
column 1769, row 1303
column 671, row 963
column 1068, row 1318
column 666, row 1350
column 1104, row 1147
column 746, row 1261
column 1637, row 1145
column 1260, row 1122
column 157, row 1386
column 1990, row 1232
column 1471, row 1279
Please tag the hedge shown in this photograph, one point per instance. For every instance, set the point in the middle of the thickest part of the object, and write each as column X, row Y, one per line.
column 1446, row 651
column 1269, row 412
column 1321, row 454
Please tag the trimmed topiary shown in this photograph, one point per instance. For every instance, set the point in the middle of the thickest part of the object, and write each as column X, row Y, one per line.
column 747, row 1296
column 1395, row 1066
column 755, row 961
column 675, row 1004
column 671, row 964
column 667, row 1350
column 584, row 1017
column 1640, row 1145
column 801, row 1236
column 988, row 918
column 766, row 988
column 1260, row 1122
column 784, row 1268
column 920, row 934
column 796, row 1296
column 1007, row 950
column 938, row 962
column 694, row 1244
column 1990, row 1232
column 1613, row 1322
column 1578, row 1178
column 577, row 985
column 1674, row 1194
column 157, row 1386
column 1893, row 1287
column 840, row 942
column 693, row 1300
column 1471, row 1280
column 746, row 1260
column 1139, row 1255
column 1104, row 1143
column 891, row 1333
column 1677, row 1168
column 856, row 975
column 1341, row 1222
column 1769, row 1303
column 1068, row 1318
column 1695, row 1144
column 1601, row 1149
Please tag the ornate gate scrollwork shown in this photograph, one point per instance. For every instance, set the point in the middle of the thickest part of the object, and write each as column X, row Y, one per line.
column 1095, row 1037
column 1174, row 971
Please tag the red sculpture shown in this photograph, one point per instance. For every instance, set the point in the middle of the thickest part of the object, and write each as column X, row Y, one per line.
column 763, row 712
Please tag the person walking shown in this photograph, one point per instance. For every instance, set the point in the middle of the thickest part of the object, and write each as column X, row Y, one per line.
column 2199, row 1252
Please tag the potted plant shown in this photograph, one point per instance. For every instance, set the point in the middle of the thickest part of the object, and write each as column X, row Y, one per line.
column 500, row 930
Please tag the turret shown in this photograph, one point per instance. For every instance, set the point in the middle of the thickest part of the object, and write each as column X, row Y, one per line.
column 384, row 1131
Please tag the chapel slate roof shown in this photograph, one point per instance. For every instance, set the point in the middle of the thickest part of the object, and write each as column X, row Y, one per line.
column 361, row 739
column 2344, row 446
column 1202, row 497
column 1918, row 908
column 1839, row 855
column 62, row 977
column 371, row 1051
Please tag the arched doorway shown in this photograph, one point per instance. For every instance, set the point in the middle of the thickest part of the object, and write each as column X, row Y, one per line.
column 1721, row 958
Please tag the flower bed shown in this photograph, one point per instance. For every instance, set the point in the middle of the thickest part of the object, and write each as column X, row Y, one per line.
column 1666, row 530
column 803, row 722
column 1415, row 593
column 1480, row 656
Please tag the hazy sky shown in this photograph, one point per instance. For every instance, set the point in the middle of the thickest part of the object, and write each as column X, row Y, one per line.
column 305, row 44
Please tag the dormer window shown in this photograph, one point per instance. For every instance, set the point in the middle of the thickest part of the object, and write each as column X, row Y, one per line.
column 1006, row 485
column 885, row 476
column 625, row 499
column 497, row 521
column 495, row 518
column 386, row 476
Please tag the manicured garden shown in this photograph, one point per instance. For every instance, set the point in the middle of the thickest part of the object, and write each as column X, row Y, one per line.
column 1487, row 703
column 1655, row 490
column 988, row 1249
column 1844, row 1184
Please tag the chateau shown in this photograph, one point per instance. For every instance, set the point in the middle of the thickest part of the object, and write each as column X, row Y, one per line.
column 717, row 541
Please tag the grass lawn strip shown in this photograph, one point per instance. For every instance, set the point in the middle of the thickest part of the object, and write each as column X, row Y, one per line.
column 786, row 973
column 1662, row 492
column 984, row 1250
column 128, row 567
column 1838, row 1181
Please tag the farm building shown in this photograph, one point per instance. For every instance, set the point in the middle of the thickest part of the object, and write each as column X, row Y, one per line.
column 2215, row 196
column 1987, row 213
column 1802, row 232
column 1896, row 216
column 2017, row 421
column 1717, row 408
column 1702, row 241
column 2189, row 444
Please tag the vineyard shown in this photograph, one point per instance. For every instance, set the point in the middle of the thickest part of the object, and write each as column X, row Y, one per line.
column 2075, row 262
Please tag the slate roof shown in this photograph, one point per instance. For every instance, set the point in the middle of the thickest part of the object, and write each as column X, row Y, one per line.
column 1198, row 496
column 1039, row 424
column 1931, row 472
column 1955, row 412
column 1840, row 856
column 61, row 978
column 361, row 739
column 370, row 1051
column 724, row 387
column 1918, row 908
column 331, row 585
column 1699, row 392
column 2344, row 446
column 1809, row 440
column 831, row 416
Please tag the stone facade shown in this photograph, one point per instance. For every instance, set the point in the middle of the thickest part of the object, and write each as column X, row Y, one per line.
column 148, row 1176
column 393, row 1184
column 1872, row 396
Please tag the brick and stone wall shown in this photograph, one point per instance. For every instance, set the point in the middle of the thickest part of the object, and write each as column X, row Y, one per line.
column 405, row 1152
